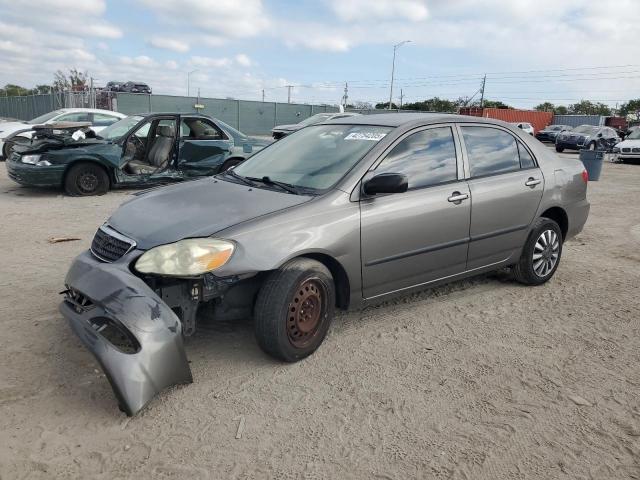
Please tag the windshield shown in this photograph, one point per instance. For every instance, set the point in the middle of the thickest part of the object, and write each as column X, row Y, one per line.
column 585, row 129
column 120, row 128
column 234, row 133
column 634, row 135
column 312, row 120
column 45, row 118
column 314, row 157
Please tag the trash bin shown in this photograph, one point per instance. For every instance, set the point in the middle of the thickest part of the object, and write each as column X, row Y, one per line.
column 592, row 160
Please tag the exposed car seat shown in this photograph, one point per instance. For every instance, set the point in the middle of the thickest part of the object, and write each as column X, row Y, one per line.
column 159, row 154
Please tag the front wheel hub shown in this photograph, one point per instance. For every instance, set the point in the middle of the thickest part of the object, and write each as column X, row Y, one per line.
column 306, row 312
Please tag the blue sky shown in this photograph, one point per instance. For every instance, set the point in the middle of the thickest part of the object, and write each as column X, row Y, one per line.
column 531, row 50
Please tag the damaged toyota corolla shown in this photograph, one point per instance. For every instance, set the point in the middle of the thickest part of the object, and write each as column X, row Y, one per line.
column 333, row 216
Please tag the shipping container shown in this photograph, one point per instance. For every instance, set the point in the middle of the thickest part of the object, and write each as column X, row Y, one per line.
column 575, row 120
column 539, row 120
column 616, row 122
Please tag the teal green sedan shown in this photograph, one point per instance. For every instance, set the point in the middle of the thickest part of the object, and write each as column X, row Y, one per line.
column 139, row 150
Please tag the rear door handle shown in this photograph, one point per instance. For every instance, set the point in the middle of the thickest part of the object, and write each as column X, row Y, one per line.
column 532, row 182
column 457, row 197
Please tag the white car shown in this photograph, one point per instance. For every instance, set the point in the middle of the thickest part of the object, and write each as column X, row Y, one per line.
column 526, row 126
column 99, row 119
column 629, row 148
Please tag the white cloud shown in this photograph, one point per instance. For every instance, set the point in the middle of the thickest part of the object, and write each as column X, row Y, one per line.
column 168, row 43
column 243, row 60
column 171, row 64
column 357, row 10
column 208, row 62
column 234, row 18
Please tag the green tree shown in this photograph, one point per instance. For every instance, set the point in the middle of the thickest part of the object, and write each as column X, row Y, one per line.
column 385, row 105
column 495, row 104
column 434, row 104
column 585, row 107
column 74, row 80
column 632, row 106
column 561, row 110
column 545, row 107
column 11, row 90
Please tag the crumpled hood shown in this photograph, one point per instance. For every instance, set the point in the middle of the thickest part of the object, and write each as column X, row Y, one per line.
column 91, row 145
column 197, row 208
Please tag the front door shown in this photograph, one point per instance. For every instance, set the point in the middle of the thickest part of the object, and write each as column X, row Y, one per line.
column 203, row 147
column 506, row 187
column 421, row 235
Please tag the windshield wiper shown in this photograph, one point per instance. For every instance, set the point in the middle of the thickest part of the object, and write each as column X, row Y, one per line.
column 244, row 180
column 284, row 186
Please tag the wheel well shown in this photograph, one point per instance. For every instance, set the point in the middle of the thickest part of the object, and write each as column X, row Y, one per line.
column 559, row 216
column 343, row 288
column 78, row 162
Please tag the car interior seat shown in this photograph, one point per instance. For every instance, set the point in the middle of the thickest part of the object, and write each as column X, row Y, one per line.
column 159, row 154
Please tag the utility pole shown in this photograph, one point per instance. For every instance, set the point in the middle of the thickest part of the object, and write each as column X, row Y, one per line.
column 345, row 97
column 289, row 87
column 393, row 68
column 484, row 80
column 263, row 95
column 189, row 80
column 401, row 95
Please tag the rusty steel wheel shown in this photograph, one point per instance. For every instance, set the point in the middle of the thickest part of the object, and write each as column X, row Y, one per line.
column 294, row 309
column 306, row 310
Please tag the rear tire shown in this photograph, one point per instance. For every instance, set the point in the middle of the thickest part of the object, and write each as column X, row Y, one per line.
column 541, row 253
column 559, row 149
column 85, row 178
column 294, row 309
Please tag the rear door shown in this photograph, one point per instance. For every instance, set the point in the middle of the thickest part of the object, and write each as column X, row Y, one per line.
column 203, row 147
column 421, row 235
column 506, row 188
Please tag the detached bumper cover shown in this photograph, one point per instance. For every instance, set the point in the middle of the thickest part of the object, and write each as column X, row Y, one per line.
column 105, row 295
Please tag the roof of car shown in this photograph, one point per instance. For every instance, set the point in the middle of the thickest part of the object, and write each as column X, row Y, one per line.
column 92, row 110
column 394, row 119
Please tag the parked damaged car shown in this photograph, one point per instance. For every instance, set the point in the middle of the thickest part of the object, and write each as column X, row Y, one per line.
column 629, row 148
column 337, row 215
column 551, row 132
column 283, row 130
column 137, row 151
column 587, row 137
column 19, row 132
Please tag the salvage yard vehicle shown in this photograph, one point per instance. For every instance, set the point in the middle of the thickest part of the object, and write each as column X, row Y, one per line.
column 283, row 130
column 629, row 148
column 525, row 126
column 138, row 150
column 550, row 132
column 336, row 215
column 99, row 119
column 587, row 137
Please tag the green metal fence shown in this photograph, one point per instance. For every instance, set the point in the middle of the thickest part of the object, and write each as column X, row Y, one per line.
column 253, row 118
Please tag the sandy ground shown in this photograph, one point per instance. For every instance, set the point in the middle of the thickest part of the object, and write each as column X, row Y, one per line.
column 482, row 379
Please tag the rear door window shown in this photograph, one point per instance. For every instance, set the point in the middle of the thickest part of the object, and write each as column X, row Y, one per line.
column 526, row 160
column 491, row 151
column 427, row 158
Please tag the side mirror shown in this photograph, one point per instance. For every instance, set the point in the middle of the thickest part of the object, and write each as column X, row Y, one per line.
column 386, row 183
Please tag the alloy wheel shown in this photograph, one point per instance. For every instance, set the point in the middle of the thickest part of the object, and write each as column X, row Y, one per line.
column 87, row 182
column 546, row 253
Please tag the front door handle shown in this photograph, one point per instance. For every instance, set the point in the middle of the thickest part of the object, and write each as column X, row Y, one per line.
column 457, row 197
column 532, row 182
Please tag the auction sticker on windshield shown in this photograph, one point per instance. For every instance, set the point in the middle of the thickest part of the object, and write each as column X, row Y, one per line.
column 374, row 136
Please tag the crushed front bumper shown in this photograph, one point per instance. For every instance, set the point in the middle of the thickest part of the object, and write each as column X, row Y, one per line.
column 134, row 335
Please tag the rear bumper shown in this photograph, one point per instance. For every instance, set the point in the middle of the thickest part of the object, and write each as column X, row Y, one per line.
column 577, row 213
column 32, row 175
column 153, row 356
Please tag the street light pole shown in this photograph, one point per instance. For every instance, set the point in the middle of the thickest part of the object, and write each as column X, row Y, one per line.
column 189, row 80
column 393, row 68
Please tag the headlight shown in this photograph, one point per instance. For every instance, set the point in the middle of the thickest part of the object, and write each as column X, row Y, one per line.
column 34, row 160
column 187, row 257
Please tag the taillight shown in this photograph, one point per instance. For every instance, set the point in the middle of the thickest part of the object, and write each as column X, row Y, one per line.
column 585, row 176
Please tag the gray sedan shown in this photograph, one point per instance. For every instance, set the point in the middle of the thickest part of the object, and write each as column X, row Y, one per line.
column 336, row 215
